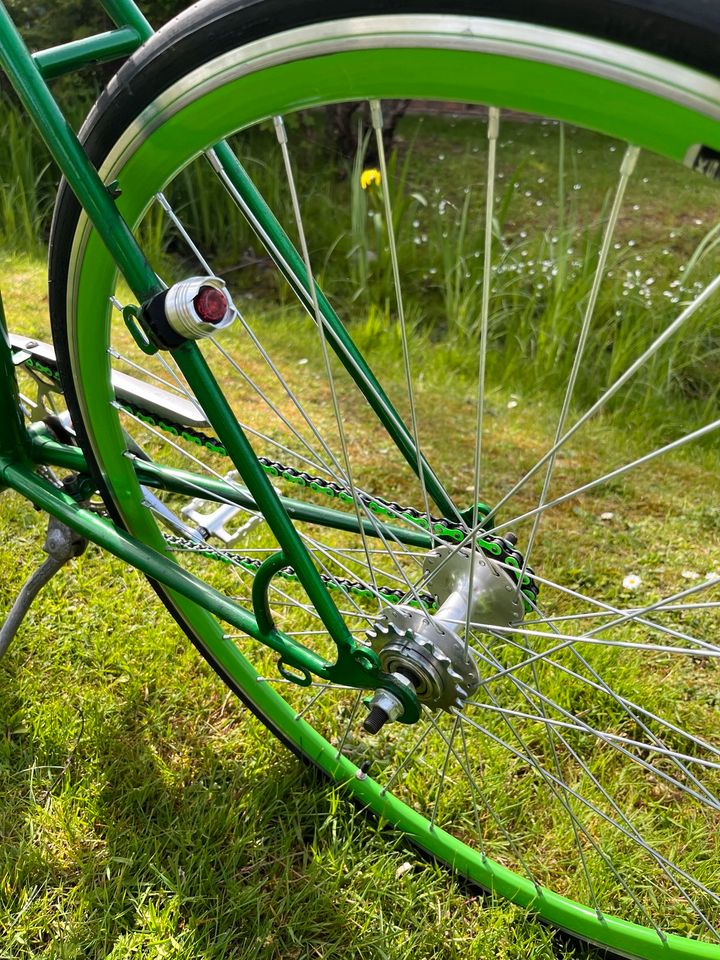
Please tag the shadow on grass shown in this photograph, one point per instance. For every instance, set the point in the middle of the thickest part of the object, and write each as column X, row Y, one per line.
column 164, row 839
column 146, row 838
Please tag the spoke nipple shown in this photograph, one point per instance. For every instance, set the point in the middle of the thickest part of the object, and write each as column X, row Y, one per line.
column 375, row 720
column 362, row 772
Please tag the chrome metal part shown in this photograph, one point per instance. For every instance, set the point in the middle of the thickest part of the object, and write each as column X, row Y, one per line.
column 162, row 403
column 213, row 522
column 429, row 648
column 181, row 313
column 493, row 595
column 61, row 545
column 168, row 517
column 385, row 706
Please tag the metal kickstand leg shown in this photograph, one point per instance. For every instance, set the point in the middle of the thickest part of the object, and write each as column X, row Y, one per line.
column 61, row 545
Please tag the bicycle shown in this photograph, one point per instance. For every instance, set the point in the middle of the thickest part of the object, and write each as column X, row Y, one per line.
column 414, row 605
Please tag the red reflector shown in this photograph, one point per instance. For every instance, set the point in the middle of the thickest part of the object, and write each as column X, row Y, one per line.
column 210, row 304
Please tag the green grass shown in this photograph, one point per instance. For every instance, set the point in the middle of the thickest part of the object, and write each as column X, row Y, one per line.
column 547, row 232
column 144, row 812
column 553, row 190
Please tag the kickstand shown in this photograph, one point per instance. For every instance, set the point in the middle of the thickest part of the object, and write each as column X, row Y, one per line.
column 61, row 545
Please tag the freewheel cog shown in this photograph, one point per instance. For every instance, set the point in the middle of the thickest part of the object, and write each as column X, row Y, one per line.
column 412, row 643
column 429, row 650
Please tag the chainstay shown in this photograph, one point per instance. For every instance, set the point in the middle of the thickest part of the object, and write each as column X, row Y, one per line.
column 495, row 548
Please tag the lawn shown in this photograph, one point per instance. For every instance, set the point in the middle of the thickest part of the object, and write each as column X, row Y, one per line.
column 144, row 812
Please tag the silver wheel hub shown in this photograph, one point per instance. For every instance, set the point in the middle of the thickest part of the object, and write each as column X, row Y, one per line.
column 430, row 649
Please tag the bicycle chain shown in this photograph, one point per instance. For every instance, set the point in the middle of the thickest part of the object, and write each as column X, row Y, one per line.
column 344, row 584
column 496, row 548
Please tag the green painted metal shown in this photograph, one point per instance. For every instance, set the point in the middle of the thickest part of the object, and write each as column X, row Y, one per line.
column 47, row 451
column 126, row 13
column 261, row 582
column 13, row 438
column 28, row 82
column 27, row 79
column 597, row 103
column 290, row 262
column 627, row 939
column 354, row 667
column 153, row 158
column 601, row 104
column 68, row 57
column 212, row 400
column 55, row 61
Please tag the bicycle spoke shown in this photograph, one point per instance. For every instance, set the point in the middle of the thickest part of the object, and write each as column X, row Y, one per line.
column 491, row 811
column 612, row 475
column 655, row 854
column 560, row 796
column 699, row 301
column 377, row 124
column 634, row 715
column 443, row 771
column 177, row 223
column 585, row 755
column 492, row 136
column 626, row 169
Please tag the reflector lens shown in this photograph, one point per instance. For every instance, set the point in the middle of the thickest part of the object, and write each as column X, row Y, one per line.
column 210, row 304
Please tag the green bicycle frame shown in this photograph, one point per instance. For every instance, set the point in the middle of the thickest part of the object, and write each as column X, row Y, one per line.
column 28, row 74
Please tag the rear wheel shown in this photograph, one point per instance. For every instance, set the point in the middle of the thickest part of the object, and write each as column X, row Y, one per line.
column 581, row 776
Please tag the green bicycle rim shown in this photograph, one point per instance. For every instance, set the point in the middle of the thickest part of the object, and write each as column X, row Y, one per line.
column 184, row 125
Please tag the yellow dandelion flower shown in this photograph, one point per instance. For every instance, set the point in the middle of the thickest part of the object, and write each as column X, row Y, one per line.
column 369, row 177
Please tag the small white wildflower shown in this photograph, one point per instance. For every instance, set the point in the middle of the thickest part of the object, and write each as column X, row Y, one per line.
column 512, row 404
column 712, row 575
column 608, row 515
column 302, row 362
column 690, row 575
column 632, row 581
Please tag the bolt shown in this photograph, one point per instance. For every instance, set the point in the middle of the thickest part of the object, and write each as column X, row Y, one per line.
column 375, row 720
column 384, row 706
